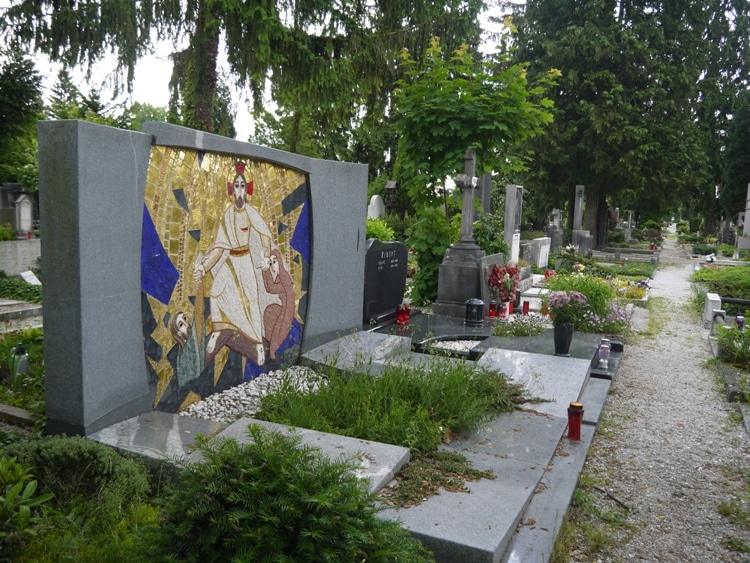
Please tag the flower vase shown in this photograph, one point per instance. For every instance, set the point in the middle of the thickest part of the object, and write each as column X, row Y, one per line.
column 563, row 336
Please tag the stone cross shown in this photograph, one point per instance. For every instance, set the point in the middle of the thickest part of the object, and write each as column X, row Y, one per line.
column 578, row 208
column 467, row 182
column 556, row 219
column 512, row 227
column 746, row 228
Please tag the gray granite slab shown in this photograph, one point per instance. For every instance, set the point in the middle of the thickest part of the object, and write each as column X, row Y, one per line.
column 529, row 437
column 377, row 462
column 594, row 397
column 556, row 380
column 157, row 435
column 535, row 538
column 475, row 526
column 358, row 349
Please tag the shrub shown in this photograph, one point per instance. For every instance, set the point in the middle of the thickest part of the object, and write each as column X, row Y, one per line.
column 704, row 249
column 17, row 498
column 429, row 237
column 651, row 224
column 727, row 281
column 400, row 224
column 16, row 288
column 734, row 346
column 273, row 499
column 6, row 232
column 77, row 469
column 601, row 316
column 616, row 237
column 597, row 291
column 379, row 229
column 489, row 234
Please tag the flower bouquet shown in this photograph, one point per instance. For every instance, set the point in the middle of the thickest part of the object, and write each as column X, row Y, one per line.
column 566, row 306
column 503, row 281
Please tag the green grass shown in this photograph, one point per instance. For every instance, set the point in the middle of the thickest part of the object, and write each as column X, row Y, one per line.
column 414, row 408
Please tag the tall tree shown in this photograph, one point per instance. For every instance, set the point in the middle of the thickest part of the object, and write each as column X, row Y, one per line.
column 625, row 113
column 733, row 196
column 326, row 56
column 20, row 108
column 20, row 95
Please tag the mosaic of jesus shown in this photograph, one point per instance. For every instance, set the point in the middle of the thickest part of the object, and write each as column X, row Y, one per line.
column 225, row 256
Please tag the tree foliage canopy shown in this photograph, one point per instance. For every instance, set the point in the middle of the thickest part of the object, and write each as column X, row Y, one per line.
column 20, row 108
column 639, row 110
column 446, row 107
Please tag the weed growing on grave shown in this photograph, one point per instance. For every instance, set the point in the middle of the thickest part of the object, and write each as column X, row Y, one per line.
column 406, row 406
column 273, row 499
column 425, row 476
column 23, row 391
column 734, row 346
column 414, row 408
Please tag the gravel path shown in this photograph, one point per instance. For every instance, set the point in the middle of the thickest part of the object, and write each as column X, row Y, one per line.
column 669, row 447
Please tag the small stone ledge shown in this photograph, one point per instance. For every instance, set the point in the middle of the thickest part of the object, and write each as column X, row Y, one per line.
column 733, row 377
column 17, row 416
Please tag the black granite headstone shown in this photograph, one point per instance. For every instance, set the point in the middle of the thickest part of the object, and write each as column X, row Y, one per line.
column 385, row 279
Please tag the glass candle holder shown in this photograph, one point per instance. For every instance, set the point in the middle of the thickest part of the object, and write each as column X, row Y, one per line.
column 493, row 309
column 575, row 418
column 604, row 351
column 525, row 307
column 403, row 313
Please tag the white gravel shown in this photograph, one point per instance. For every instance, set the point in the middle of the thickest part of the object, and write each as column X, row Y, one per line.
column 669, row 446
column 244, row 400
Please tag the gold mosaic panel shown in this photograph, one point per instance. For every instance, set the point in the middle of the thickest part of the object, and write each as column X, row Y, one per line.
column 186, row 197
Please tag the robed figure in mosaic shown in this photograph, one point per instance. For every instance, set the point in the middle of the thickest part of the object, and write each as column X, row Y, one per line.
column 224, row 259
column 237, row 259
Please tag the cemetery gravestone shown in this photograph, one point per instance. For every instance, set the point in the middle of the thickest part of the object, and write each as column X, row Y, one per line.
column 23, row 214
column 540, row 252
column 460, row 276
column 385, row 279
column 578, row 208
column 124, row 270
column 376, row 209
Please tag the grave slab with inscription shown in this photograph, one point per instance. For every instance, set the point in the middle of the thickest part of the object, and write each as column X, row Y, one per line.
column 385, row 278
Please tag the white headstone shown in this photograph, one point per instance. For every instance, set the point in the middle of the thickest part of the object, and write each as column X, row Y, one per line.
column 515, row 247
column 23, row 213
column 29, row 277
column 540, row 251
column 376, row 208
